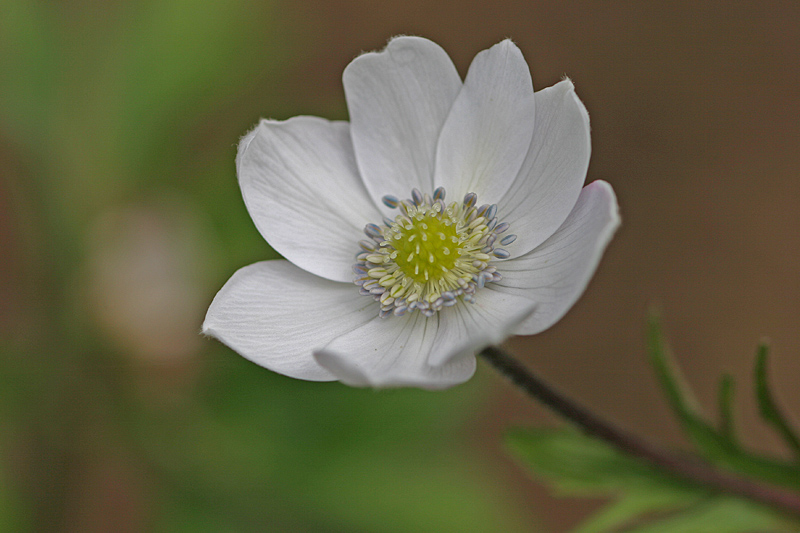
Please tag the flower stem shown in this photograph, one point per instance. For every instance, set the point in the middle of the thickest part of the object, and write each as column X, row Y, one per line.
column 686, row 467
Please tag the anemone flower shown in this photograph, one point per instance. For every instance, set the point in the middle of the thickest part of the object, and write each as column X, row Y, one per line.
column 443, row 218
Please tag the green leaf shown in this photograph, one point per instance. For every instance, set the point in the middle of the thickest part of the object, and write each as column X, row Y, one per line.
column 578, row 465
column 769, row 410
column 648, row 500
column 582, row 465
column 715, row 446
column 711, row 443
column 720, row 515
column 627, row 509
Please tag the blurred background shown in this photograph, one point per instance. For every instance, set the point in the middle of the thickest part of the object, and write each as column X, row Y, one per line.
column 120, row 218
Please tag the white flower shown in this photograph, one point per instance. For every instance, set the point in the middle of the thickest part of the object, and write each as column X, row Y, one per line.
column 444, row 276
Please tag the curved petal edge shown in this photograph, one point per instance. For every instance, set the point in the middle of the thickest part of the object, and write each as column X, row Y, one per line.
column 392, row 353
column 554, row 170
column 398, row 100
column 301, row 186
column 275, row 314
column 490, row 127
column 556, row 273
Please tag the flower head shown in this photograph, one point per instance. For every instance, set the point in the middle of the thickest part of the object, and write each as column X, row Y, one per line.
column 444, row 217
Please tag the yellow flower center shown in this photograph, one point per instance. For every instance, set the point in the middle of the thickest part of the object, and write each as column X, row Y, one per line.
column 427, row 248
column 431, row 255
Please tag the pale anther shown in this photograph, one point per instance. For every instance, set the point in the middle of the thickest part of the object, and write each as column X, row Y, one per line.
column 390, row 201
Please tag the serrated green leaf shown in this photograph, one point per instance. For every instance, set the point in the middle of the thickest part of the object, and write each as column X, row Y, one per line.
column 577, row 464
column 712, row 444
column 767, row 406
column 725, row 405
column 580, row 464
column 720, row 515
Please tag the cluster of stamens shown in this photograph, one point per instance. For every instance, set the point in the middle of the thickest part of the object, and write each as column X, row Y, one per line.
column 431, row 255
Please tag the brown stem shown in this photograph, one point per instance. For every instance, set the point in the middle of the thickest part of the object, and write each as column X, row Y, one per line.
column 689, row 468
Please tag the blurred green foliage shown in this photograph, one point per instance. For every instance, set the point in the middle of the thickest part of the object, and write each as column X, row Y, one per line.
column 107, row 109
column 648, row 499
column 645, row 498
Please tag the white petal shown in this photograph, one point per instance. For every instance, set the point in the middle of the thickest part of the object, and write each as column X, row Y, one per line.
column 556, row 273
column 392, row 352
column 275, row 314
column 398, row 101
column 302, row 189
column 489, row 130
column 465, row 329
column 554, row 170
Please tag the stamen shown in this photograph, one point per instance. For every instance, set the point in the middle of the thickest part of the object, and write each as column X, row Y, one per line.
column 432, row 255
column 372, row 230
column 470, row 199
column 390, row 201
column 367, row 246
